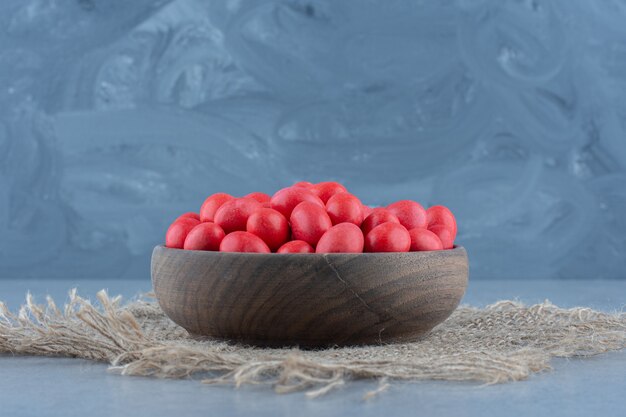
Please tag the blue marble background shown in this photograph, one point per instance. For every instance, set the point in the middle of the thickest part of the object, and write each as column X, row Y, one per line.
column 117, row 115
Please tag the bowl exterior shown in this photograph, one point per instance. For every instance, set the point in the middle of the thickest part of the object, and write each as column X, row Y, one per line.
column 309, row 299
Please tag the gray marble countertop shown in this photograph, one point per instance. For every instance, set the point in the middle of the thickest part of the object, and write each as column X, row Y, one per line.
column 35, row 386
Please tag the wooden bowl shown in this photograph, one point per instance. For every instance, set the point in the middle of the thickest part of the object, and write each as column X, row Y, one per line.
column 310, row 300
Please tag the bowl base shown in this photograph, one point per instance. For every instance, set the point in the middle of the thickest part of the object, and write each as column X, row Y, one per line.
column 308, row 345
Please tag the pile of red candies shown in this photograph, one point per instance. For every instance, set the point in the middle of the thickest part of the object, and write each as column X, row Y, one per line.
column 311, row 218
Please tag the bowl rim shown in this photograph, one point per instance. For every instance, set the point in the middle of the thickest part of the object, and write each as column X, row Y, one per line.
column 455, row 250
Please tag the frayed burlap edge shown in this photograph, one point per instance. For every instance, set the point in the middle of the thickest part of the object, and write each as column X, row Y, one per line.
column 506, row 341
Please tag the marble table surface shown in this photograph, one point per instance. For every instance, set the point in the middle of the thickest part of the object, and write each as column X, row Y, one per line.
column 35, row 386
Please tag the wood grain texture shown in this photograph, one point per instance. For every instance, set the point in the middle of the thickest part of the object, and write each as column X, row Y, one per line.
column 310, row 300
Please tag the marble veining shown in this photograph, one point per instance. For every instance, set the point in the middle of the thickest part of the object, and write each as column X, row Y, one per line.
column 116, row 115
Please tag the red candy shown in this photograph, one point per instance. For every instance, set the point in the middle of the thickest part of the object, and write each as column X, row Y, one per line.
column 243, row 242
column 388, row 237
column 344, row 208
column 445, row 235
column 287, row 199
column 424, row 240
column 296, row 246
column 309, row 218
column 205, row 236
column 233, row 214
column 269, row 225
column 378, row 216
column 177, row 232
column 367, row 210
column 303, row 184
column 309, row 222
column 441, row 216
column 341, row 238
column 410, row 214
column 262, row 198
column 189, row 215
column 211, row 204
column 325, row 190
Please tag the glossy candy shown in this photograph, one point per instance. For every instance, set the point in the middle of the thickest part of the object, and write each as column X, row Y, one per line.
column 325, row 190
column 211, row 204
column 177, row 232
column 378, row 216
column 367, row 210
column 309, row 222
column 307, row 218
column 410, row 214
column 296, row 246
column 341, row 238
column 189, row 215
column 303, row 184
column 243, row 242
column 287, row 199
column 445, row 235
column 233, row 214
column 345, row 208
column 441, row 216
column 262, row 198
column 269, row 225
column 204, row 236
column 388, row 237
column 424, row 240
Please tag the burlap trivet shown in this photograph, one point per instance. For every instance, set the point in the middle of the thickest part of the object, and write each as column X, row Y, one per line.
column 506, row 341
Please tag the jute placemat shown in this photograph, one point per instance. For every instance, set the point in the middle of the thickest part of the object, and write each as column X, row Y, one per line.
column 506, row 341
